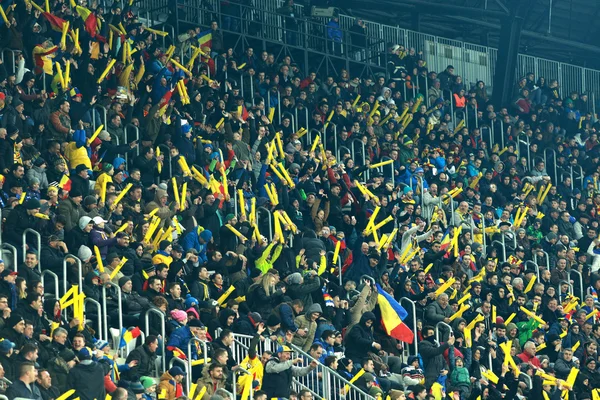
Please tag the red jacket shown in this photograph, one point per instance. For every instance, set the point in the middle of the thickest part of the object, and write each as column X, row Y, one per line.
column 526, row 358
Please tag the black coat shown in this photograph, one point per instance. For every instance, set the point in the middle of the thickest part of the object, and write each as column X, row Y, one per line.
column 17, row 221
column 83, row 185
column 359, row 340
column 145, row 365
column 18, row 389
column 39, row 323
column 88, row 381
column 433, row 360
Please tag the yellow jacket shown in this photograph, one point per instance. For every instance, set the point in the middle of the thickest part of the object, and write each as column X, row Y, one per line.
column 77, row 156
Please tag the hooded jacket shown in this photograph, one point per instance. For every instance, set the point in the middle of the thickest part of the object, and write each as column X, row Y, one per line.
column 359, row 340
column 164, row 212
column 87, row 378
column 433, row 359
column 211, row 385
column 305, row 322
column 168, row 383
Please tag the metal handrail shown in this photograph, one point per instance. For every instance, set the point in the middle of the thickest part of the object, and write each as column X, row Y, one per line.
column 581, row 288
column 414, row 322
column 56, row 284
column 39, row 245
column 162, row 331
column 270, row 217
column 65, row 273
column 234, row 392
column 99, row 308
column 186, row 369
column 535, row 257
column 204, row 350
column 536, row 267
column 119, row 306
column 503, row 249
column 553, row 153
column 527, row 380
column 437, row 330
column 104, row 116
column 13, row 250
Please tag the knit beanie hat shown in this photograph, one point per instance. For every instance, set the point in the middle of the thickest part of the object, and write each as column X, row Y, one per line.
column 178, row 315
column 147, row 382
column 84, row 253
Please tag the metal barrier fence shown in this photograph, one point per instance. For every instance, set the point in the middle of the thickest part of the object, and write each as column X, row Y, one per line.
column 472, row 61
column 162, row 333
column 328, row 385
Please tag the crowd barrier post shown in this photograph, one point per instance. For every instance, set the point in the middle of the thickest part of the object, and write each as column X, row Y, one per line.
column 245, row 372
column 523, row 139
column 535, row 257
column 13, row 250
column 89, row 300
column 437, row 330
column 105, row 308
column 162, row 332
column 552, row 153
column 204, row 350
column 186, row 369
column 580, row 280
column 39, row 245
column 102, row 109
column 413, row 307
column 56, row 284
column 270, row 220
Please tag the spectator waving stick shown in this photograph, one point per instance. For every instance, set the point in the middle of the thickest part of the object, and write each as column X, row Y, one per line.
column 123, row 227
column 532, row 315
column 63, row 38
column 545, row 193
column 122, row 194
column 464, row 298
column 356, row 100
column 445, row 286
column 380, row 225
column 288, row 221
column 106, row 71
column 510, row 318
column 381, row 164
column 411, row 255
column 276, row 172
column 3, row 14
column 61, row 78
column 237, row 233
column 225, row 295
column 354, row 379
column 95, row 135
column 71, row 392
column 181, row 67
column 478, row 318
column 530, row 284
column 183, row 196
column 287, row 176
column 99, row 259
column 508, row 360
column 118, row 268
column 157, row 32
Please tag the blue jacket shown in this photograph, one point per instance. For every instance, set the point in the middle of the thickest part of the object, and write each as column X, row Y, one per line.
column 18, row 389
column 286, row 313
column 333, row 31
column 180, row 338
column 328, row 350
column 192, row 241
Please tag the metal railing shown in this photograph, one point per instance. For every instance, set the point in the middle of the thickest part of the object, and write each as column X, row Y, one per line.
column 13, row 250
column 413, row 308
column 331, row 382
column 39, row 245
column 56, row 284
column 204, row 350
column 546, row 257
column 186, row 368
column 235, row 383
column 89, row 300
column 105, row 308
column 580, row 281
column 437, row 330
column 162, row 332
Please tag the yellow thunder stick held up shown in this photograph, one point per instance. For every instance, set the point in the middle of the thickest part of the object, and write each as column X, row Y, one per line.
column 122, row 194
column 381, row 164
column 106, row 71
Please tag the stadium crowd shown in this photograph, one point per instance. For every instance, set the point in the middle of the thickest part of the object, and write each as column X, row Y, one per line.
column 218, row 210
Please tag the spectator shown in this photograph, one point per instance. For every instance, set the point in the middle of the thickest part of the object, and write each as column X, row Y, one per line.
column 25, row 386
column 280, row 370
column 170, row 382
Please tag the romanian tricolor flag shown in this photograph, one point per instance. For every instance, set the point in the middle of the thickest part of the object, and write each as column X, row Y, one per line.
column 65, row 183
column 328, row 300
column 446, row 240
column 90, row 20
column 594, row 294
column 205, row 38
column 55, row 22
column 127, row 335
column 392, row 314
column 177, row 352
column 164, row 102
